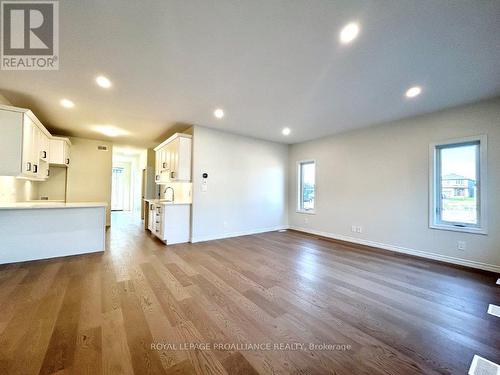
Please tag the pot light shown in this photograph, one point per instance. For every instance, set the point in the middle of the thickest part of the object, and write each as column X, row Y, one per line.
column 219, row 113
column 109, row 130
column 413, row 91
column 349, row 33
column 104, row 82
column 66, row 103
column 286, row 131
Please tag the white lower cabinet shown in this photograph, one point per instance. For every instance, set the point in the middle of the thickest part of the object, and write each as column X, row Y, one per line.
column 171, row 223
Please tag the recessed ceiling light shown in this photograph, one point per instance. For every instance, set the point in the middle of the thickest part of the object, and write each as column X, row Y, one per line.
column 109, row 130
column 219, row 113
column 413, row 91
column 286, row 131
column 66, row 103
column 104, row 82
column 349, row 32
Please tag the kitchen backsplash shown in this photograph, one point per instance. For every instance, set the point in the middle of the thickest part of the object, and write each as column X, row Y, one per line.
column 182, row 192
column 13, row 189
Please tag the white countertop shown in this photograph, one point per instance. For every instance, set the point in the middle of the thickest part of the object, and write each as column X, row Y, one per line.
column 164, row 202
column 48, row 204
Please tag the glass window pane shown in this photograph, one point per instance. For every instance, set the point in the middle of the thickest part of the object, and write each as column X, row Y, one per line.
column 459, row 184
column 307, row 185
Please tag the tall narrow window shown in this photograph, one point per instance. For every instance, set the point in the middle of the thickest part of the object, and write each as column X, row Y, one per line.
column 458, row 182
column 307, row 186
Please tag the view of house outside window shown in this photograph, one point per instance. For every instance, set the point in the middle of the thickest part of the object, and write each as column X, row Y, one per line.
column 307, row 182
column 459, row 184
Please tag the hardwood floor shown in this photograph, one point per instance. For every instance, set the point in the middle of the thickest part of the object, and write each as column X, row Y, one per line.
column 102, row 313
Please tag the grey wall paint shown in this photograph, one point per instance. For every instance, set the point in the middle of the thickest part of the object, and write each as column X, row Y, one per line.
column 246, row 184
column 377, row 178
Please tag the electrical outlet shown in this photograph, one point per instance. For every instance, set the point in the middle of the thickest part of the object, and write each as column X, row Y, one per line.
column 359, row 229
column 461, row 245
column 353, row 228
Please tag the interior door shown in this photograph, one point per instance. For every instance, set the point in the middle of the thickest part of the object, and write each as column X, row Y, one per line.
column 118, row 189
column 143, row 192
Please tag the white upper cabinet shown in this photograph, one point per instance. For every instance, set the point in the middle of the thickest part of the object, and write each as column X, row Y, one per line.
column 60, row 151
column 24, row 144
column 173, row 159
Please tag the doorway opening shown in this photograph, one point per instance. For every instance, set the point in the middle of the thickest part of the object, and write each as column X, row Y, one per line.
column 127, row 176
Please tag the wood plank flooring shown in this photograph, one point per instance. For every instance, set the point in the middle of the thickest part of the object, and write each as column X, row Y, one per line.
column 232, row 306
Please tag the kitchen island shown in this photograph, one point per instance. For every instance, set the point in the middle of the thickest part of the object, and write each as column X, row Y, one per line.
column 40, row 230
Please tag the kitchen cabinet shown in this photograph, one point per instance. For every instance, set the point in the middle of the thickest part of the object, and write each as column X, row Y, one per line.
column 24, row 150
column 170, row 222
column 151, row 211
column 173, row 159
column 60, row 151
column 42, row 148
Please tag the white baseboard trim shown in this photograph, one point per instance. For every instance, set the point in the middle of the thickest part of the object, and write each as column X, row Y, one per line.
column 237, row 234
column 404, row 250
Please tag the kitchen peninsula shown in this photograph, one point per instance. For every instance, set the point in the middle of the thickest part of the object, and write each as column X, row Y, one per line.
column 30, row 231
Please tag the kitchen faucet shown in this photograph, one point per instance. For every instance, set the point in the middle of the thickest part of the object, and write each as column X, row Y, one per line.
column 173, row 193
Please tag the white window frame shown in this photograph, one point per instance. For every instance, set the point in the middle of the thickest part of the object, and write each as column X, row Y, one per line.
column 434, row 188
column 299, row 187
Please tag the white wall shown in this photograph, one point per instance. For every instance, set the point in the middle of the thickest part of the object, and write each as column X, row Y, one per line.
column 89, row 174
column 17, row 190
column 54, row 188
column 246, row 185
column 378, row 178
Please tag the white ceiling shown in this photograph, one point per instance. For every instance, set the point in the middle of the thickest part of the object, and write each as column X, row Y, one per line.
column 267, row 63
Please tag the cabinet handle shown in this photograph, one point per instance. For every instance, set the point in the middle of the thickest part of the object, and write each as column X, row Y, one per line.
column 44, row 153
column 172, row 174
column 164, row 165
column 28, row 166
column 157, row 177
column 67, row 161
column 48, row 172
column 35, row 168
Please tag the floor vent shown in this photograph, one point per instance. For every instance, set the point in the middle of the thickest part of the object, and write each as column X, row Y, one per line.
column 494, row 310
column 481, row 366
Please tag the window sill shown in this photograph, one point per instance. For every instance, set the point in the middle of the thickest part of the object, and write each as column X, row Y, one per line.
column 459, row 229
column 308, row 212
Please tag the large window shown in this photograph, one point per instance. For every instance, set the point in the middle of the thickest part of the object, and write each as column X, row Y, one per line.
column 458, row 182
column 307, row 186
